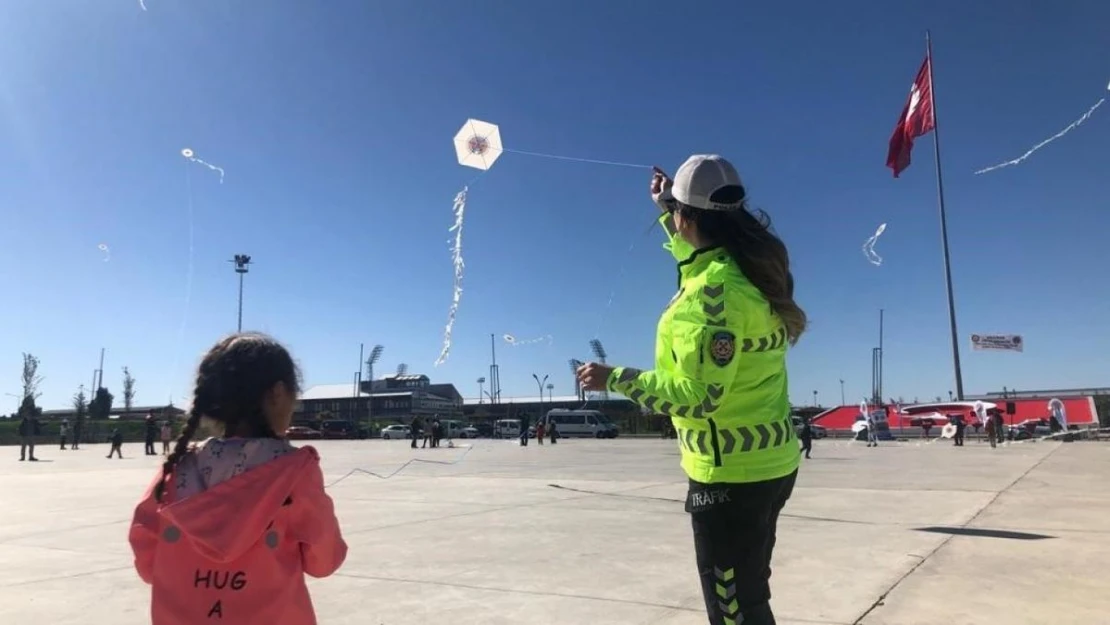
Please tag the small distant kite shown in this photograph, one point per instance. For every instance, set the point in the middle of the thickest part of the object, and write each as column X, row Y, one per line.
column 869, row 247
column 107, row 252
column 515, row 342
column 188, row 154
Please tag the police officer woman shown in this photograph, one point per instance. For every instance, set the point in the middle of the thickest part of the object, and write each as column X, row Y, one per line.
column 720, row 373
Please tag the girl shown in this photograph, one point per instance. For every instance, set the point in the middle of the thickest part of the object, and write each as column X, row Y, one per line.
column 231, row 525
column 720, row 372
column 167, row 436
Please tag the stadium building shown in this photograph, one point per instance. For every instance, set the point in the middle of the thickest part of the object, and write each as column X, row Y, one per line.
column 392, row 399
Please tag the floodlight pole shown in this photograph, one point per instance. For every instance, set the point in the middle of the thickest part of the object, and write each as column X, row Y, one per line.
column 375, row 355
column 242, row 266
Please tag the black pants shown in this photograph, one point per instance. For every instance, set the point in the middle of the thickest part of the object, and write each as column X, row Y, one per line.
column 150, row 446
column 734, row 537
column 807, row 446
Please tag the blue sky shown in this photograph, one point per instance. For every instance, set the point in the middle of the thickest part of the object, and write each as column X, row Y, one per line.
column 334, row 123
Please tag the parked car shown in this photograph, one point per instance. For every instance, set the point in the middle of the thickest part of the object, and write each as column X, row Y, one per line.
column 396, row 432
column 338, row 429
column 469, row 432
column 453, row 428
column 301, row 433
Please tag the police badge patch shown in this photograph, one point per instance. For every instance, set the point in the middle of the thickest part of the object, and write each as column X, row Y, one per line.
column 722, row 348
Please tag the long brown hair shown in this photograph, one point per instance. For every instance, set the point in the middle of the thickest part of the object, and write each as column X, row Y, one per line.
column 760, row 254
column 232, row 382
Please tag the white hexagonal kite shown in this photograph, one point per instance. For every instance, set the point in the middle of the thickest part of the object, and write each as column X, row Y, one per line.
column 478, row 144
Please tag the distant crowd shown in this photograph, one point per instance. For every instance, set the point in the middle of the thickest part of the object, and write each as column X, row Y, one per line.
column 31, row 431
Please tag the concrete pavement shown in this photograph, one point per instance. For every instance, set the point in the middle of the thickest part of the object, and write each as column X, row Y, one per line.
column 871, row 536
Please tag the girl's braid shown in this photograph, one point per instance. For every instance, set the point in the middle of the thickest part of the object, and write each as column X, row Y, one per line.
column 180, row 448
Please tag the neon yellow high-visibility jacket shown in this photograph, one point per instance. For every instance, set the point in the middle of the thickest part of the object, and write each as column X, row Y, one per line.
column 720, row 373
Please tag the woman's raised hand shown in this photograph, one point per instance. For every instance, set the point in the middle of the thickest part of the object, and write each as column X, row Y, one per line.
column 661, row 190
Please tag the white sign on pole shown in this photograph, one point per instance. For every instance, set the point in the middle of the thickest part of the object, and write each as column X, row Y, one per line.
column 999, row 342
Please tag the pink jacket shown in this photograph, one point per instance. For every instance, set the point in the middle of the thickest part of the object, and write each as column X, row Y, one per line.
column 237, row 551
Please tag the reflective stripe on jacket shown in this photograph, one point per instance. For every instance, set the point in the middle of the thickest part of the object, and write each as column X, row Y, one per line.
column 720, row 373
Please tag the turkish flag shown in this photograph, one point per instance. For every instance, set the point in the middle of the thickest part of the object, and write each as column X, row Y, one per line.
column 917, row 119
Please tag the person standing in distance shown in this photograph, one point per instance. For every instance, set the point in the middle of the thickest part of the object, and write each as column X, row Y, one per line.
column 720, row 373
column 807, row 437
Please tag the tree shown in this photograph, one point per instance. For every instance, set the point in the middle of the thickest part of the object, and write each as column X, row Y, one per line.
column 80, row 409
column 31, row 377
column 80, row 403
column 101, row 405
column 128, row 390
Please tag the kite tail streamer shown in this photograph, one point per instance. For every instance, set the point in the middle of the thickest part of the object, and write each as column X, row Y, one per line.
column 577, row 160
column 214, row 168
column 515, row 342
column 869, row 247
column 1040, row 145
column 456, row 257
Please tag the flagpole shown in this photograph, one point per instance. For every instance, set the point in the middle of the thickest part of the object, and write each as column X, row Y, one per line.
column 944, row 231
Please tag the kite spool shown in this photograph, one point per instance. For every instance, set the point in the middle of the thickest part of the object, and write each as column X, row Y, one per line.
column 948, row 431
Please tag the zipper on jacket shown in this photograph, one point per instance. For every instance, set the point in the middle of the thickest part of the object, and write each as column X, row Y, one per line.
column 713, row 442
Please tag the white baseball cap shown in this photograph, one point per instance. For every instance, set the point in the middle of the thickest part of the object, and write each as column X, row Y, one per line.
column 701, row 177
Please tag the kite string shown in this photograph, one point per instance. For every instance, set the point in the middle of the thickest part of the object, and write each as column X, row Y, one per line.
column 576, row 160
column 188, row 274
column 620, row 278
column 386, row 476
column 1040, row 145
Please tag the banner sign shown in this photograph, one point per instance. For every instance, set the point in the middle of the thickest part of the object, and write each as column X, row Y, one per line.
column 1003, row 342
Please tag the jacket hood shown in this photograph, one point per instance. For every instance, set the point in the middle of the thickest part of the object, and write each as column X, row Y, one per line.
column 226, row 519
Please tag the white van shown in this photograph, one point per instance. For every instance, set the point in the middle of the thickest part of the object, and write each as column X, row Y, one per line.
column 451, row 428
column 506, row 428
column 585, row 423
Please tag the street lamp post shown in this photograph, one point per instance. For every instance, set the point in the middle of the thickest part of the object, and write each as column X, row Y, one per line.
column 375, row 355
column 481, row 391
column 540, row 384
column 814, row 399
column 550, row 391
column 242, row 266
column 842, row 402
